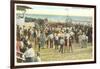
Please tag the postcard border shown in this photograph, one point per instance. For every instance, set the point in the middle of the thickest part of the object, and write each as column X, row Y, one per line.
column 12, row 65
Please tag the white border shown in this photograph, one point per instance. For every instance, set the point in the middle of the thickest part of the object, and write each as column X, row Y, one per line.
column 50, row 62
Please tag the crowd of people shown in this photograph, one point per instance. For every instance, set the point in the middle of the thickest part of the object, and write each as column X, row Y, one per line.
column 58, row 37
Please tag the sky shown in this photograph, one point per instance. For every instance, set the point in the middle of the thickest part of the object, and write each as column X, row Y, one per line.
column 58, row 10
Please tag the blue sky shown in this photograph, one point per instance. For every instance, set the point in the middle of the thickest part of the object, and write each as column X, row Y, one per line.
column 59, row 10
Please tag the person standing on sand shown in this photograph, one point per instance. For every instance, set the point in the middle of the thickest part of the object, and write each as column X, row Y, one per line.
column 61, row 44
column 42, row 39
column 56, row 40
column 70, row 44
column 51, row 40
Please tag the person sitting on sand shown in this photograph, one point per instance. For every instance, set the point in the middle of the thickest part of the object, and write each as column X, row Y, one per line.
column 29, row 54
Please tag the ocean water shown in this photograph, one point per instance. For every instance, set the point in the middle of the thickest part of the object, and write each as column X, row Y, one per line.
column 59, row 18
